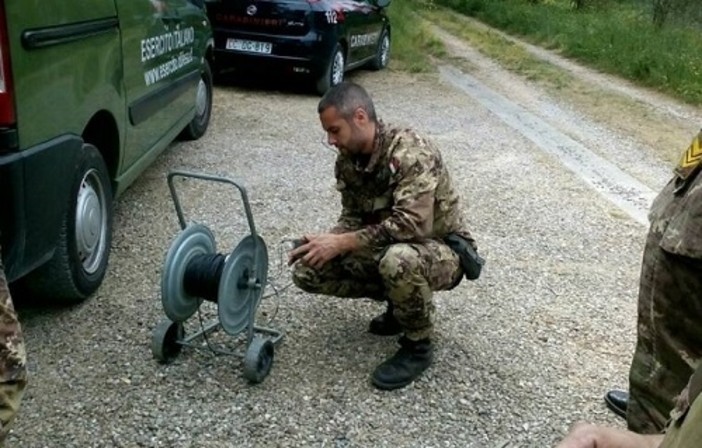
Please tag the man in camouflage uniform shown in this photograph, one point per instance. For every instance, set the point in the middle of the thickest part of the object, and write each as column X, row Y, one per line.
column 398, row 203
column 683, row 430
column 13, row 371
column 669, row 344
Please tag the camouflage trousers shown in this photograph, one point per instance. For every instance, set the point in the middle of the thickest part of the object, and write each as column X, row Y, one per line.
column 13, row 359
column 669, row 340
column 406, row 274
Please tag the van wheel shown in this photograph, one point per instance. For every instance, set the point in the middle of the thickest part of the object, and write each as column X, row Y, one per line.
column 79, row 264
column 203, row 106
column 382, row 55
column 334, row 73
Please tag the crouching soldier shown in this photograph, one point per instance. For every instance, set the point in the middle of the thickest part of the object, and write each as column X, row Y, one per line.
column 400, row 237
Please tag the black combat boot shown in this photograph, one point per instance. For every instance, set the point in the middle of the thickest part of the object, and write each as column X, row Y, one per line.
column 618, row 401
column 410, row 361
column 385, row 324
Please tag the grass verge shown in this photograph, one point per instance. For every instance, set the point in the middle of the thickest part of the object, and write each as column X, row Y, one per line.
column 413, row 44
column 606, row 106
column 617, row 38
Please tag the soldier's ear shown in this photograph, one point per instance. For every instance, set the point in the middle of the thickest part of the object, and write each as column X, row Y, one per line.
column 360, row 116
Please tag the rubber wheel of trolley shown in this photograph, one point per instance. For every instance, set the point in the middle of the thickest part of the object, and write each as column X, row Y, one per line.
column 164, row 340
column 258, row 360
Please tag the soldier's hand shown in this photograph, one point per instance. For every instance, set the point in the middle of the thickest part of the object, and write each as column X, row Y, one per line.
column 320, row 249
column 296, row 252
column 581, row 435
column 584, row 435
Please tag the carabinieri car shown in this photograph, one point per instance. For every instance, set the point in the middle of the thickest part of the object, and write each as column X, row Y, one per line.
column 318, row 39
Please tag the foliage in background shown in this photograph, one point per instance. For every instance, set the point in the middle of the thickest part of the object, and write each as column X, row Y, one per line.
column 616, row 36
column 412, row 43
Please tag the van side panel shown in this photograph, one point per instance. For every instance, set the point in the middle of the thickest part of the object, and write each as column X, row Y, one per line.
column 61, row 54
column 93, row 70
column 162, row 69
column 64, row 51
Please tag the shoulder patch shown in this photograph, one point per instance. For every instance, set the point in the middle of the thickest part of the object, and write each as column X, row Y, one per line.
column 691, row 158
column 693, row 155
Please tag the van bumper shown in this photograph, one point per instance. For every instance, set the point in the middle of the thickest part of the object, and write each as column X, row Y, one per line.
column 34, row 191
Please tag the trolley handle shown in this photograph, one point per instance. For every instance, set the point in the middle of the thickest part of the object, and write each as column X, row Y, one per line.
column 179, row 208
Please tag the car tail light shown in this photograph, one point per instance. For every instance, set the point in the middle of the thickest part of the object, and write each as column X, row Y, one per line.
column 7, row 107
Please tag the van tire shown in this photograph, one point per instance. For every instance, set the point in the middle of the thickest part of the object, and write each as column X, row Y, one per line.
column 203, row 106
column 79, row 264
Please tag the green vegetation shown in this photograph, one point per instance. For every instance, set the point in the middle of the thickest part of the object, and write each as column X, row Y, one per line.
column 412, row 43
column 615, row 36
column 494, row 45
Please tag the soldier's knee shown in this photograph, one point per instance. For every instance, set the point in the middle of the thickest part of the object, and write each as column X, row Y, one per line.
column 306, row 278
column 399, row 261
column 301, row 276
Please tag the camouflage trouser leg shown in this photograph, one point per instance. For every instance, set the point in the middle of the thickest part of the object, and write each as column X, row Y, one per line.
column 669, row 342
column 406, row 274
column 351, row 276
column 13, row 373
column 410, row 273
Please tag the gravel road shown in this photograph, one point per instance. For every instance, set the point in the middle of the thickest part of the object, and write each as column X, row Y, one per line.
column 522, row 353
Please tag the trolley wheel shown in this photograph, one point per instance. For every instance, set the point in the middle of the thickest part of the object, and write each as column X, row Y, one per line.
column 258, row 360
column 165, row 340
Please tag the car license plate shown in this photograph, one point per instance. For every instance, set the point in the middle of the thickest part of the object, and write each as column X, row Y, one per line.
column 250, row 46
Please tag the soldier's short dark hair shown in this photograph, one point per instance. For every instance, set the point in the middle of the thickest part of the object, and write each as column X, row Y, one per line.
column 346, row 97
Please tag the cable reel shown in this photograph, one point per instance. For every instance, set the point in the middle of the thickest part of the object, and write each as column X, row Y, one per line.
column 194, row 272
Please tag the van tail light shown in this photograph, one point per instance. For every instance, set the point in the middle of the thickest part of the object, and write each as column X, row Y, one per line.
column 7, row 106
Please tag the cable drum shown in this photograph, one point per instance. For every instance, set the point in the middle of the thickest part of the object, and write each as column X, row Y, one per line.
column 194, row 241
column 194, row 272
column 243, row 281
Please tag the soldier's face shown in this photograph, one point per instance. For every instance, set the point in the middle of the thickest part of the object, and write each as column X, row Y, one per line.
column 345, row 134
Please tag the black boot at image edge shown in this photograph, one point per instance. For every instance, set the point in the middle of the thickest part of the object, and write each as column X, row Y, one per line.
column 617, row 401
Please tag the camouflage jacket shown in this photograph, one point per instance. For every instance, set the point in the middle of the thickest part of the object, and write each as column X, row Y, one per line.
column 676, row 213
column 684, row 429
column 13, row 359
column 402, row 193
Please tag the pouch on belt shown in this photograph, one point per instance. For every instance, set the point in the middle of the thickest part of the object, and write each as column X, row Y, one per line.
column 471, row 262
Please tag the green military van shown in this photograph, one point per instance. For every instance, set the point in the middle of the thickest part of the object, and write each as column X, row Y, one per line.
column 91, row 91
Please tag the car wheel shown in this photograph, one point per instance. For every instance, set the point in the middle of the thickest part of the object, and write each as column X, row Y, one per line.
column 203, row 106
column 79, row 263
column 382, row 56
column 334, row 73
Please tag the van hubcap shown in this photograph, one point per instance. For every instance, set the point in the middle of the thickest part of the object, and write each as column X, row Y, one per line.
column 201, row 99
column 91, row 225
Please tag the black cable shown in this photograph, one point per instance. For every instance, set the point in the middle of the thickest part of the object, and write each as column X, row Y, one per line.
column 202, row 276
